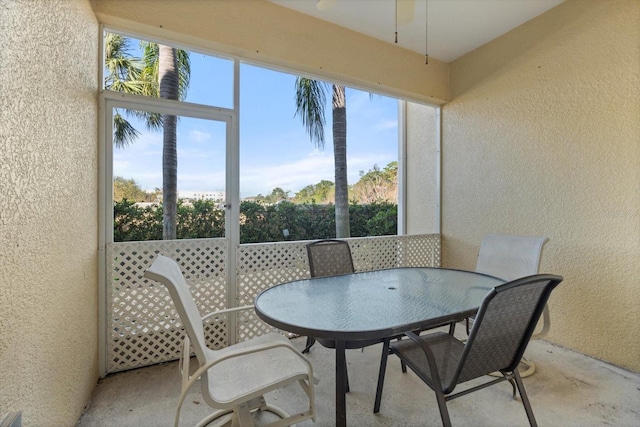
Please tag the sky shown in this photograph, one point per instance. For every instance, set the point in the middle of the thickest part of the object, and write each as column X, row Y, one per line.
column 275, row 150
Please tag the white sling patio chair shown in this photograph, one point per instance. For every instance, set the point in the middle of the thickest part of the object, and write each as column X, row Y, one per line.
column 234, row 379
column 509, row 258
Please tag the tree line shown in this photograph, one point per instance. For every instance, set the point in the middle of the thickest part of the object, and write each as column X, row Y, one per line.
column 259, row 222
column 375, row 186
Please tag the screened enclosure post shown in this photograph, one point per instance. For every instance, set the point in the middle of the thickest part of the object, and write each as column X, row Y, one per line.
column 402, row 167
column 232, row 212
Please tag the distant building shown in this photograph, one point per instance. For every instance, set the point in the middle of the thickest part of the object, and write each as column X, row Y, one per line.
column 216, row 196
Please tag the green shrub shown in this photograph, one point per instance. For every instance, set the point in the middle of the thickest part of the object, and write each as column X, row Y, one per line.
column 258, row 222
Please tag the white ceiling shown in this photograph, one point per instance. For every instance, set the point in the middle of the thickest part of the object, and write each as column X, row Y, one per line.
column 455, row 27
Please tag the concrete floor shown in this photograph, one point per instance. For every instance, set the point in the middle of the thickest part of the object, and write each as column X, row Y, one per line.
column 568, row 389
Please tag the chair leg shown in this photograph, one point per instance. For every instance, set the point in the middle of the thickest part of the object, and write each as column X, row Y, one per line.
column 383, row 369
column 513, row 387
column 442, row 405
column 346, row 377
column 452, row 328
column 243, row 415
column 310, row 342
column 403, row 365
column 525, row 399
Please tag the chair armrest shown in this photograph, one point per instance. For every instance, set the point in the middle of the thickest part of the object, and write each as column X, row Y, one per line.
column 248, row 350
column 185, row 359
column 431, row 359
column 253, row 349
column 227, row 310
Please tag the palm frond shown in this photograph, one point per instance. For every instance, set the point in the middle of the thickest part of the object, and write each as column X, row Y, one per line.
column 149, row 74
column 310, row 101
column 123, row 70
column 129, row 74
column 184, row 73
column 153, row 121
column 123, row 133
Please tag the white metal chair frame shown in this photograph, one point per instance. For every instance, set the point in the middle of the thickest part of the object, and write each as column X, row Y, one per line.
column 512, row 257
column 247, row 354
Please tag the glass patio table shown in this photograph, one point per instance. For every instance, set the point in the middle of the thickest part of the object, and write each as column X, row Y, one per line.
column 372, row 305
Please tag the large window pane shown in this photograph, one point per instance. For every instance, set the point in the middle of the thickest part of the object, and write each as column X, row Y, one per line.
column 138, row 179
column 287, row 182
column 129, row 64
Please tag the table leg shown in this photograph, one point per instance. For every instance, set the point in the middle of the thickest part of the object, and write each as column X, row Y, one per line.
column 341, row 385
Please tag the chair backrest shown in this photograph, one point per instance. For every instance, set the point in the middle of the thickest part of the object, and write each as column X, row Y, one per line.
column 503, row 327
column 329, row 258
column 167, row 271
column 509, row 257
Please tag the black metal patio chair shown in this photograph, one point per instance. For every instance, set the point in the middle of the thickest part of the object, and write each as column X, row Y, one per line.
column 332, row 257
column 328, row 258
column 500, row 334
column 512, row 257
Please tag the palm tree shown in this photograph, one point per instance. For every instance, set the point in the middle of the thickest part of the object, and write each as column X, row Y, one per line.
column 163, row 71
column 170, row 69
column 310, row 101
column 123, row 74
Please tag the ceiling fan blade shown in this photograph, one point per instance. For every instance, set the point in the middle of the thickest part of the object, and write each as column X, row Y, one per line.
column 406, row 9
column 325, row 4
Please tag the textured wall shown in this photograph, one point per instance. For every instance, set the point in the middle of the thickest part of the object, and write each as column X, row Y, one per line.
column 543, row 138
column 423, row 146
column 263, row 31
column 48, row 209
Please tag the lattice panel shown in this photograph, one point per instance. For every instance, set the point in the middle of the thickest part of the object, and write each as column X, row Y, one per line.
column 143, row 327
column 374, row 253
column 261, row 266
column 419, row 251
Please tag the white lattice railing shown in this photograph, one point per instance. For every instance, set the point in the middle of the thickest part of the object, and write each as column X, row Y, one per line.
column 142, row 326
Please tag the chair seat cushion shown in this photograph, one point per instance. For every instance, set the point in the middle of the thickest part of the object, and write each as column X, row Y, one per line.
column 252, row 375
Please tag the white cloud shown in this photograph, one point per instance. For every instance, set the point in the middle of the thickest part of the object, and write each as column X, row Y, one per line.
column 204, row 182
column 288, row 175
column 365, row 163
column 386, row 124
column 312, row 169
column 199, row 136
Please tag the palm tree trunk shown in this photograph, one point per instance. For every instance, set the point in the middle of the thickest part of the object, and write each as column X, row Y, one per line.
column 168, row 81
column 340, row 161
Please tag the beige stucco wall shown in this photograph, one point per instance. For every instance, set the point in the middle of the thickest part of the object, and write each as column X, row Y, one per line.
column 262, row 31
column 542, row 137
column 422, row 169
column 48, row 209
